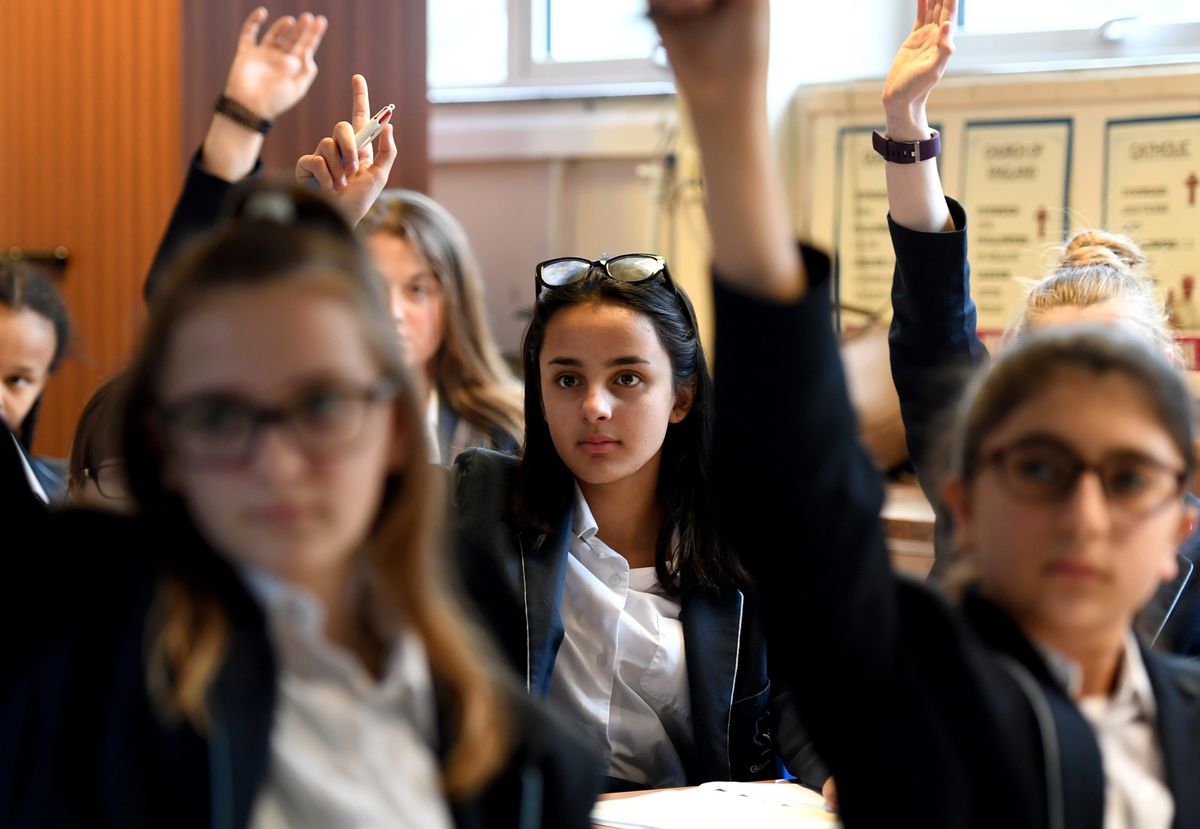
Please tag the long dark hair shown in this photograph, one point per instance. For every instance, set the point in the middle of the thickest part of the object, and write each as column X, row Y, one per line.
column 24, row 288
column 545, row 485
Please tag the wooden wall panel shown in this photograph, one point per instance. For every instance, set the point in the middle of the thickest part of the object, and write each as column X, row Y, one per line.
column 382, row 39
column 89, row 159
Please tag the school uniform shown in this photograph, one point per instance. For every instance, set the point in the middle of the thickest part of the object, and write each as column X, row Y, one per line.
column 737, row 719
column 294, row 737
column 928, row 715
column 934, row 349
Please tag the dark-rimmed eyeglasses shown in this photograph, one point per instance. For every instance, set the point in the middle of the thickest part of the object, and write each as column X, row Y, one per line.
column 108, row 478
column 222, row 430
column 628, row 267
column 1043, row 470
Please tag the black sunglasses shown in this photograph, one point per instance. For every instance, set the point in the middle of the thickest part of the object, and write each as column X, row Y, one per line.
column 628, row 267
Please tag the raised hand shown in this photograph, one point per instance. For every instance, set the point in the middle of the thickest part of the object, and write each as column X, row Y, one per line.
column 716, row 47
column 271, row 75
column 353, row 176
column 917, row 68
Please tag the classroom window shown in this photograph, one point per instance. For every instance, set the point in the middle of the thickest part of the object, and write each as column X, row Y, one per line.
column 996, row 34
column 481, row 49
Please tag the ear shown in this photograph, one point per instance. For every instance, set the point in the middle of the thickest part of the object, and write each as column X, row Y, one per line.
column 684, row 397
column 1187, row 525
column 956, row 498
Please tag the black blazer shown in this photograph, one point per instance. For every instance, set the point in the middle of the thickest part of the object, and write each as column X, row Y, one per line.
column 928, row 715
column 82, row 745
column 934, row 348
column 515, row 578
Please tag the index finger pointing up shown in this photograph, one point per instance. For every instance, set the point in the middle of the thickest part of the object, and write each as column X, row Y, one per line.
column 360, row 110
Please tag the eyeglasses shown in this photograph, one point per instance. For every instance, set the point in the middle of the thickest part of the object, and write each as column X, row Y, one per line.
column 628, row 267
column 1047, row 471
column 108, row 478
column 222, row 430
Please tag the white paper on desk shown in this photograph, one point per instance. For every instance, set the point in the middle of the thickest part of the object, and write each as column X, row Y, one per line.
column 718, row 805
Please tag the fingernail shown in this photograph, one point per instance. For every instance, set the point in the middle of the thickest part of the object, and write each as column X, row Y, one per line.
column 341, row 181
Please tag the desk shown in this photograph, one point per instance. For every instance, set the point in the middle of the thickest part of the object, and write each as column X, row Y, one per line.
column 908, row 527
column 764, row 805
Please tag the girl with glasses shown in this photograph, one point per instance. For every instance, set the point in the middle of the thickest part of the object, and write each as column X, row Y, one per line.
column 1099, row 277
column 270, row 640
column 95, row 471
column 1030, row 703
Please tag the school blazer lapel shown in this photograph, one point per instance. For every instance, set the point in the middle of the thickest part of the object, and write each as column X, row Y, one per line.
column 543, row 576
column 1177, row 695
column 712, row 627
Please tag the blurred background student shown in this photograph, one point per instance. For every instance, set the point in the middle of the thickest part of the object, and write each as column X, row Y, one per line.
column 35, row 330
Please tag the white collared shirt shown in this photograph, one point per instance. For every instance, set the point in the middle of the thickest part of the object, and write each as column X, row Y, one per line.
column 34, row 483
column 346, row 750
column 621, row 670
column 1135, row 788
column 433, row 413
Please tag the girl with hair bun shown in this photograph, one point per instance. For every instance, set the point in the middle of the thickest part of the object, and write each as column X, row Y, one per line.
column 1099, row 277
column 1029, row 703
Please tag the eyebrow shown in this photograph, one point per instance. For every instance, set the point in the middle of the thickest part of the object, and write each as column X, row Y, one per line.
column 616, row 361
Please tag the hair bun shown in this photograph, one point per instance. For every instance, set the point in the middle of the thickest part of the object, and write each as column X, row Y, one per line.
column 1099, row 247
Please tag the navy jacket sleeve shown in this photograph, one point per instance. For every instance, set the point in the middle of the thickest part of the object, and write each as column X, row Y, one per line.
column 893, row 695
column 932, row 340
column 197, row 210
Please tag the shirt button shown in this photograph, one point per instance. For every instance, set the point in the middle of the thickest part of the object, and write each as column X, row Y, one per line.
column 601, row 659
column 615, row 580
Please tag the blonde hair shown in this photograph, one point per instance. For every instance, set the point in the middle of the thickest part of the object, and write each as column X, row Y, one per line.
column 189, row 630
column 470, row 374
column 1096, row 267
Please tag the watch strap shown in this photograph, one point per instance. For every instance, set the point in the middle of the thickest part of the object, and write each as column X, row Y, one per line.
column 241, row 114
column 907, row 152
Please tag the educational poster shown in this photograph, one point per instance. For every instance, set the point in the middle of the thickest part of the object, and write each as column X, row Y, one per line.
column 1152, row 194
column 1016, row 180
column 864, row 247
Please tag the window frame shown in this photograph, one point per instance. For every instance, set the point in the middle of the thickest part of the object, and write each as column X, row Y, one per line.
column 1114, row 43
column 530, row 79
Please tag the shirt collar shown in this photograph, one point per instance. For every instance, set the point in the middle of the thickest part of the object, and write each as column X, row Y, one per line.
column 584, row 523
column 34, row 483
column 1133, row 683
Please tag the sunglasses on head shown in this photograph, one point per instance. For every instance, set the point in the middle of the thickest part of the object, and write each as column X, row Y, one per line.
column 628, row 267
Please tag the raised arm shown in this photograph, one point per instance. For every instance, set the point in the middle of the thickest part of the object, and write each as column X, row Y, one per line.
column 352, row 176
column 915, row 196
column 268, row 76
column 718, row 50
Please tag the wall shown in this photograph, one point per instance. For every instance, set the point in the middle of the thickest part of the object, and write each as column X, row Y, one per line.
column 89, row 159
column 105, row 103
column 534, row 180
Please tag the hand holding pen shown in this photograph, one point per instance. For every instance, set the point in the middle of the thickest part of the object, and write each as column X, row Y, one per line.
column 345, row 164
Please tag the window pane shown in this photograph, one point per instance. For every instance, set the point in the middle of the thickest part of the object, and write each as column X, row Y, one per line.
column 590, row 30
column 468, row 42
column 997, row 16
